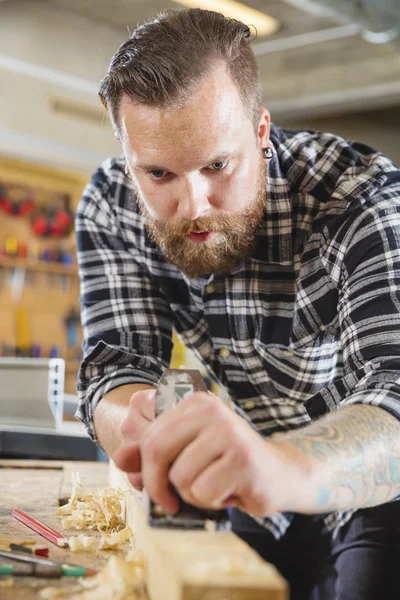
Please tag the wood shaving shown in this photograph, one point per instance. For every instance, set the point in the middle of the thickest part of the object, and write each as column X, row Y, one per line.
column 82, row 543
column 113, row 540
column 103, row 510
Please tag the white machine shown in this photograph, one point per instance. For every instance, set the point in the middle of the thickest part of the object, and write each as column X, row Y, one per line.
column 32, row 392
column 31, row 413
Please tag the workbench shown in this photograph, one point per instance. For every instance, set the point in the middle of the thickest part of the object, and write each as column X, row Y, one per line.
column 35, row 487
column 173, row 558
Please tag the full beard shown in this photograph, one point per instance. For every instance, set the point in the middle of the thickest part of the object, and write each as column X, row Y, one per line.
column 235, row 239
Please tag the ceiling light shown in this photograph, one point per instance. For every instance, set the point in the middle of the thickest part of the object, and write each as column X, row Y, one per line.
column 264, row 24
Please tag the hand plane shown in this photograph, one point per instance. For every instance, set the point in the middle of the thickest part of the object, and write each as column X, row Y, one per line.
column 174, row 385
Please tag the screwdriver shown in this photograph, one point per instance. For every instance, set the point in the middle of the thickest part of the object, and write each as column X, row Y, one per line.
column 41, row 567
column 40, row 570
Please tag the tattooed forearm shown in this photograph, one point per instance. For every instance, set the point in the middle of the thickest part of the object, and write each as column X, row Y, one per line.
column 356, row 451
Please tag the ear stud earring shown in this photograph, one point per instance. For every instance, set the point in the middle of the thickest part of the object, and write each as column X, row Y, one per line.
column 267, row 152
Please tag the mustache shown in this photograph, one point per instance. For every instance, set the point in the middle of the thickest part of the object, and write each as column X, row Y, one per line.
column 219, row 223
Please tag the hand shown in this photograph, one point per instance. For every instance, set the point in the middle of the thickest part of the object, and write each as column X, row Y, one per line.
column 137, row 421
column 209, row 454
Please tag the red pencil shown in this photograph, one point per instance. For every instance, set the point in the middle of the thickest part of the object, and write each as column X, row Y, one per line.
column 45, row 531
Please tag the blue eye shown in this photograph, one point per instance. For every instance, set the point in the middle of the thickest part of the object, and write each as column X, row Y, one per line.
column 218, row 165
column 157, row 174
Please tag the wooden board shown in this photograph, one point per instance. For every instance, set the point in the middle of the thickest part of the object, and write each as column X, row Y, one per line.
column 34, row 487
column 198, row 565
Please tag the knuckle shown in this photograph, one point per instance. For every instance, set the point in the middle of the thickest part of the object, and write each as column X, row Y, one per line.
column 179, row 480
column 241, row 454
column 127, row 427
column 130, row 429
column 195, row 398
column 206, row 402
column 135, row 400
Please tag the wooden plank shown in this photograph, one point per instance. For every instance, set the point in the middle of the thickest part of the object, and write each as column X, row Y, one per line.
column 198, row 565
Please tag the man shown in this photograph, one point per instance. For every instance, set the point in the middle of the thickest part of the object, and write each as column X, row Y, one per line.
column 275, row 255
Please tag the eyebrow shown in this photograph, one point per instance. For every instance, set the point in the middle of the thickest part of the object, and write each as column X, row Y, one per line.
column 152, row 167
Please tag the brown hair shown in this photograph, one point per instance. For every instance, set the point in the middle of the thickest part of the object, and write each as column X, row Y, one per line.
column 162, row 61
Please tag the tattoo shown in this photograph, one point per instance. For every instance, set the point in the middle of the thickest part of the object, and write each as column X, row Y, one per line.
column 358, row 448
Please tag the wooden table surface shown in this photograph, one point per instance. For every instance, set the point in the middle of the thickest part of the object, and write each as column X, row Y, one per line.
column 35, row 487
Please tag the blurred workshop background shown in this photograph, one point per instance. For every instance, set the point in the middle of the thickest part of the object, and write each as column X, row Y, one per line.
column 331, row 65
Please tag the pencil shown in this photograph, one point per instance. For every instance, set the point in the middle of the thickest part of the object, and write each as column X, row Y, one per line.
column 40, row 528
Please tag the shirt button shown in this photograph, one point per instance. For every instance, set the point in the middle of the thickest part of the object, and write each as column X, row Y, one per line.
column 249, row 404
column 210, row 288
column 224, row 352
column 287, row 353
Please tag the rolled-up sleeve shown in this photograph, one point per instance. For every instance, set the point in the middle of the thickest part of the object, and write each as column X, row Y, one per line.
column 364, row 260
column 126, row 319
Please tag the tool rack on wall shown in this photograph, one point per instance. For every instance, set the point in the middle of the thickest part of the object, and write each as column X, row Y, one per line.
column 39, row 283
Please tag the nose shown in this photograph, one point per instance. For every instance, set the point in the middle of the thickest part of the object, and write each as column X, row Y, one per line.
column 193, row 197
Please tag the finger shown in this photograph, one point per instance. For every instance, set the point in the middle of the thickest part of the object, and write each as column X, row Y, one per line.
column 136, row 479
column 133, row 428
column 194, row 459
column 128, row 458
column 167, row 437
column 147, row 405
column 193, row 413
column 215, row 485
column 159, row 451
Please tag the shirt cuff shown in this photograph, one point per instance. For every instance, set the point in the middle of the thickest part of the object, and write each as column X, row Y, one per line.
column 106, row 368
column 376, row 385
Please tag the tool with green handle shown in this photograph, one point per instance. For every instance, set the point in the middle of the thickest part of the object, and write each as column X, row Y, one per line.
column 40, row 567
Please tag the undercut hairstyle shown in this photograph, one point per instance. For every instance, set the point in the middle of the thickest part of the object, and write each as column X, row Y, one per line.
column 163, row 61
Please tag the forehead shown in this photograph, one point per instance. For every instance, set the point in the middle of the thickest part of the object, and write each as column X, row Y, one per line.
column 213, row 116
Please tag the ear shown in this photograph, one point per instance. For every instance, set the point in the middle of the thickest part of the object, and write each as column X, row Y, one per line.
column 264, row 128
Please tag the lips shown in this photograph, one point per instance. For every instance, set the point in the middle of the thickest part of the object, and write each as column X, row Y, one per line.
column 200, row 236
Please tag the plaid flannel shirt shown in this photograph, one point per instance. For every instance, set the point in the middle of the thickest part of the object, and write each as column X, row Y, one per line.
column 308, row 323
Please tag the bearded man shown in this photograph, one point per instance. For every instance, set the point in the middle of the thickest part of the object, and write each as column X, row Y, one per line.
column 275, row 256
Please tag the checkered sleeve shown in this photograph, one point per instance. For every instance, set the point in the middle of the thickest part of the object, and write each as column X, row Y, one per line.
column 364, row 263
column 126, row 320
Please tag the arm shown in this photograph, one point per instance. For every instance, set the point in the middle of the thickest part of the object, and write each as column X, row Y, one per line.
column 348, row 459
column 110, row 414
column 126, row 319
column 352, row 455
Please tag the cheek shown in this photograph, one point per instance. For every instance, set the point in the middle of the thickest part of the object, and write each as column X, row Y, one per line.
column 156, row 199
column 239, row 190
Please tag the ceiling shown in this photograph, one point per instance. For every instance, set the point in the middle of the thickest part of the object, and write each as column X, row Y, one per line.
column 320, row 61
column 317, row 61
